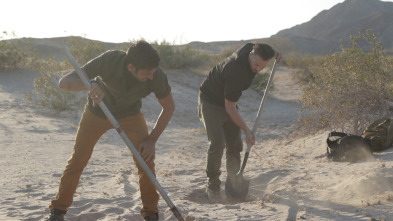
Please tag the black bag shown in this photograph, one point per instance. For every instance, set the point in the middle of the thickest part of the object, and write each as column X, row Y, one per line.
column 347, row 147
column 379, row 134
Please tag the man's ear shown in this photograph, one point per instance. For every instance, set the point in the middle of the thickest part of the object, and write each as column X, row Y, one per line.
column 251, row 54
column 131, row 68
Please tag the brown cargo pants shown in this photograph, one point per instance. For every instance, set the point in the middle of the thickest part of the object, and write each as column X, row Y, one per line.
column 91, row 128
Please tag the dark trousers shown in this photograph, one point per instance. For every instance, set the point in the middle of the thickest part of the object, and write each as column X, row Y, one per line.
column 222, row 133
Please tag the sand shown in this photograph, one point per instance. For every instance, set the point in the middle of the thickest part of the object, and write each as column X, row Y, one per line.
column 290, row 178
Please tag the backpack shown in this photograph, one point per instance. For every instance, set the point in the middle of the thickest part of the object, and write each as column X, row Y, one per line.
column 379, row 134
column 345, row 147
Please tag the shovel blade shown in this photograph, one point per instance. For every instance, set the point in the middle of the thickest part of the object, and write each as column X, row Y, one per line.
column 236, row 188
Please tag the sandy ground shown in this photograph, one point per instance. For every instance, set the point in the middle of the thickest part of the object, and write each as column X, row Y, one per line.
column 290, row 179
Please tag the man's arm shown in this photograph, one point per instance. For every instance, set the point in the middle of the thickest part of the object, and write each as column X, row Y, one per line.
column 231, row 109
column 168, row 107
column 147, row 147
column 72, row 82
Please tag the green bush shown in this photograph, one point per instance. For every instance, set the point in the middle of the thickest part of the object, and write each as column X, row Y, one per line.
column 83, row 50
column 260, row 81
column 17, row 54
column 350, row 88
column 10, row 55
column 46, row 91
column 302, row 64
column 178, row 57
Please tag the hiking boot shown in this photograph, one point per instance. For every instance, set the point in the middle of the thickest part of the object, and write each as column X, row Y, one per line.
column 214, row 196
column 56, row 215
column 151, row 217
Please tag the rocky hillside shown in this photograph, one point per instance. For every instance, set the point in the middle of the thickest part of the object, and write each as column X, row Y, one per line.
column 325, row 31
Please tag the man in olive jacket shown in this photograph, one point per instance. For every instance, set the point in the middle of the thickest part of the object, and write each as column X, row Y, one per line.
column 121, row 79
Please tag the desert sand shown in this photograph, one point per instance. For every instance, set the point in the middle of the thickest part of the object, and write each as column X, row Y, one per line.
column 290, row 178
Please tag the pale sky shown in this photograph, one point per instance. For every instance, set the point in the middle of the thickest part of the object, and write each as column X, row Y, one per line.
column 176, row 21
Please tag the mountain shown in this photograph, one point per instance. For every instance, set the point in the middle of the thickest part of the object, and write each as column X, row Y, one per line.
column 325, row 31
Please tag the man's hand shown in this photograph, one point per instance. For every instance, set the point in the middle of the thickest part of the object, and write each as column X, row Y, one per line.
column 278, row 57
column 250, row 139
column 147, row 150
column 96, row 94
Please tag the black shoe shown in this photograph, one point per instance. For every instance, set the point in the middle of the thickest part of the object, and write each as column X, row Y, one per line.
column 56, row 215
column 151, row 217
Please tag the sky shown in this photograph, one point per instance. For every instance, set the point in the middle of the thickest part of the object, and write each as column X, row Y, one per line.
column 175, row 21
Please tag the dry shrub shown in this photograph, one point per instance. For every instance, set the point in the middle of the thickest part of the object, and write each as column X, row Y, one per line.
column 11, row 56
column 350, row 88
column 302, row 65
column 83, row 49
column 179, row 57
column 46, row 91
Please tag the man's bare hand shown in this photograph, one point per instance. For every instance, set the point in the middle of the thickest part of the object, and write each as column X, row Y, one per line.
column 147, row 150
column 250, row 139
column 96, row 94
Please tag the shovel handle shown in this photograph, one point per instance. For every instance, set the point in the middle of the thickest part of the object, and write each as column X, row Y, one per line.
column 257, row 120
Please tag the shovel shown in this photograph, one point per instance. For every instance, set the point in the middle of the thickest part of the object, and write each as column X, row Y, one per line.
column 236, row 187
column 130, row 146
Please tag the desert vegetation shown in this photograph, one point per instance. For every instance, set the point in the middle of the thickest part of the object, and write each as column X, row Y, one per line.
column 345, row 90
column 10, row 55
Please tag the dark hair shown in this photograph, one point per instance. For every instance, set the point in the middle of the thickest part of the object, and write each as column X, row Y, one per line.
column 265, row 51
column 142, row 55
